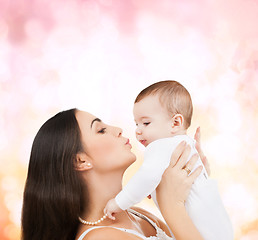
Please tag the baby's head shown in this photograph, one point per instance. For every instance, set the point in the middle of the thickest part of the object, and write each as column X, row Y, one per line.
column 164, row 109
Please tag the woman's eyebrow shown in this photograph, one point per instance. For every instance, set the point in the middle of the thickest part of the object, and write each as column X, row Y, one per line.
column 94, row 120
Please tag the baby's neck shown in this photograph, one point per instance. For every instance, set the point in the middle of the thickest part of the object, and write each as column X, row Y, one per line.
column 180, row 132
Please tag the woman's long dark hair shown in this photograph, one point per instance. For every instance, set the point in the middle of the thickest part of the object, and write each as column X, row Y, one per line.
column 53, row 193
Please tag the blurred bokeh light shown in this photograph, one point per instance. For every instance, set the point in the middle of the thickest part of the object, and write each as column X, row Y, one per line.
column 97, row 55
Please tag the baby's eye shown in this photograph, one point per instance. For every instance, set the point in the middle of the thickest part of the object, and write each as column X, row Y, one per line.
column 146, row 123
column 136, row 124
column 102, row 130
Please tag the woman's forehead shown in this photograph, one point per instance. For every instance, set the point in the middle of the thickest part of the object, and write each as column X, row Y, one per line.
column 84, row 118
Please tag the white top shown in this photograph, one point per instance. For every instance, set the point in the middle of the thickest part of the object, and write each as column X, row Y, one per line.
column 160, row 234
column 203, row 205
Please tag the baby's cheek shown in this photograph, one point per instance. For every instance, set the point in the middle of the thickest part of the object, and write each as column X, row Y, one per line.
column 153, row 135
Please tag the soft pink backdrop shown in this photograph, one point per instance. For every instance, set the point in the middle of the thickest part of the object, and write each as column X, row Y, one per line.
column 97, row 55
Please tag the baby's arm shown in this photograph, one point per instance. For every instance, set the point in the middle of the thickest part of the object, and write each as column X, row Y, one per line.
column 112, row 208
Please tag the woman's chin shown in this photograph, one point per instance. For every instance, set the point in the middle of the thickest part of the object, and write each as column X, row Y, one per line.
column 131, row 160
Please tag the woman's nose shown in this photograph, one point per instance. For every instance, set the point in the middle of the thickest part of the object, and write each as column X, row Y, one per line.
column 118, row 131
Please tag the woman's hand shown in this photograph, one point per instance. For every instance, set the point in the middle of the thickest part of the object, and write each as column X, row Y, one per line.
column 176, row 184
column 174, row 189
column 205, row 162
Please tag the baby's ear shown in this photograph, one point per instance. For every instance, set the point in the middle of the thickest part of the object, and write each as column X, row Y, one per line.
column 177, row 122
column 82, row 162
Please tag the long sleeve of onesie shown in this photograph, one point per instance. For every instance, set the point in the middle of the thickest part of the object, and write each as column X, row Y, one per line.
column 147, row 178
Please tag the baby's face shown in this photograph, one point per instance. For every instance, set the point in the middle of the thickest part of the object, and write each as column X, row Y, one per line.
column 152, row 120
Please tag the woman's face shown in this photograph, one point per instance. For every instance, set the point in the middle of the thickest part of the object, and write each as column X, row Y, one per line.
column 104, row 144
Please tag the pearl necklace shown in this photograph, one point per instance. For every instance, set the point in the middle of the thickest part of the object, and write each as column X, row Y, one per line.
column 92, row 223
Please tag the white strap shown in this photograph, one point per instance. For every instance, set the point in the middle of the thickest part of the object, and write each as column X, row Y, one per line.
column 143, row 217
column 88, row 230
column 121, row 229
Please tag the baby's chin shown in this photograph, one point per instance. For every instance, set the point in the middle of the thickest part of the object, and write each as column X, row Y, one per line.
column 147, row 142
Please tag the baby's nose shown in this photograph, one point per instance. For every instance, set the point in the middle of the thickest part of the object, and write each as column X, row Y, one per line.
column 138, row 131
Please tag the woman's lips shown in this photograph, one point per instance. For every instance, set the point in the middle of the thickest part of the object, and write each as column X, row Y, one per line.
column 128, row 143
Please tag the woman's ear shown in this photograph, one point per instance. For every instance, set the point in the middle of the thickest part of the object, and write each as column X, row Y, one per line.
column 177, row 122
column 82, row 162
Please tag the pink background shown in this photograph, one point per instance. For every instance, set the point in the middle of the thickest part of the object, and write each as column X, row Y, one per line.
column 97, row 55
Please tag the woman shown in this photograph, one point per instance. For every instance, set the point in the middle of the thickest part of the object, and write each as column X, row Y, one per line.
column 76, row 165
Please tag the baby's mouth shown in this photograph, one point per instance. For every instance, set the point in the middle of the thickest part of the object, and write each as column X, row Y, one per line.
column 143, row 142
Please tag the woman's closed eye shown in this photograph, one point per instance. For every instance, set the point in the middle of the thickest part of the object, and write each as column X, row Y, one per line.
column 102, row 130
column 146, row 123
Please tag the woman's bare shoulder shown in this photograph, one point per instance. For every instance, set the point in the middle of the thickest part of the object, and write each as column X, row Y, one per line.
column 154, row 218
column 108, row 233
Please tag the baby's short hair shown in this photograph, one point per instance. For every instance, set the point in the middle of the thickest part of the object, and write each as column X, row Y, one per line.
column 173, row 96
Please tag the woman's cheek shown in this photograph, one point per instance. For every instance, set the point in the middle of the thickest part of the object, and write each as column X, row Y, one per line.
column 104, row 150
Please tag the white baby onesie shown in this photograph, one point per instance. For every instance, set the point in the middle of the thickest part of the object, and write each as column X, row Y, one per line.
column 203, row 205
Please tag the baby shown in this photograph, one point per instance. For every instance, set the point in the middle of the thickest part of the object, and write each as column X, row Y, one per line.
column 163, row 113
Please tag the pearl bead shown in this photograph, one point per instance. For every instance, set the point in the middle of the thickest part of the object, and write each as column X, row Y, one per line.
column 92, row 223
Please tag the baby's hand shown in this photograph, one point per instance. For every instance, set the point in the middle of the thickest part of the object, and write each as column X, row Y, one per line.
column 112, row 208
